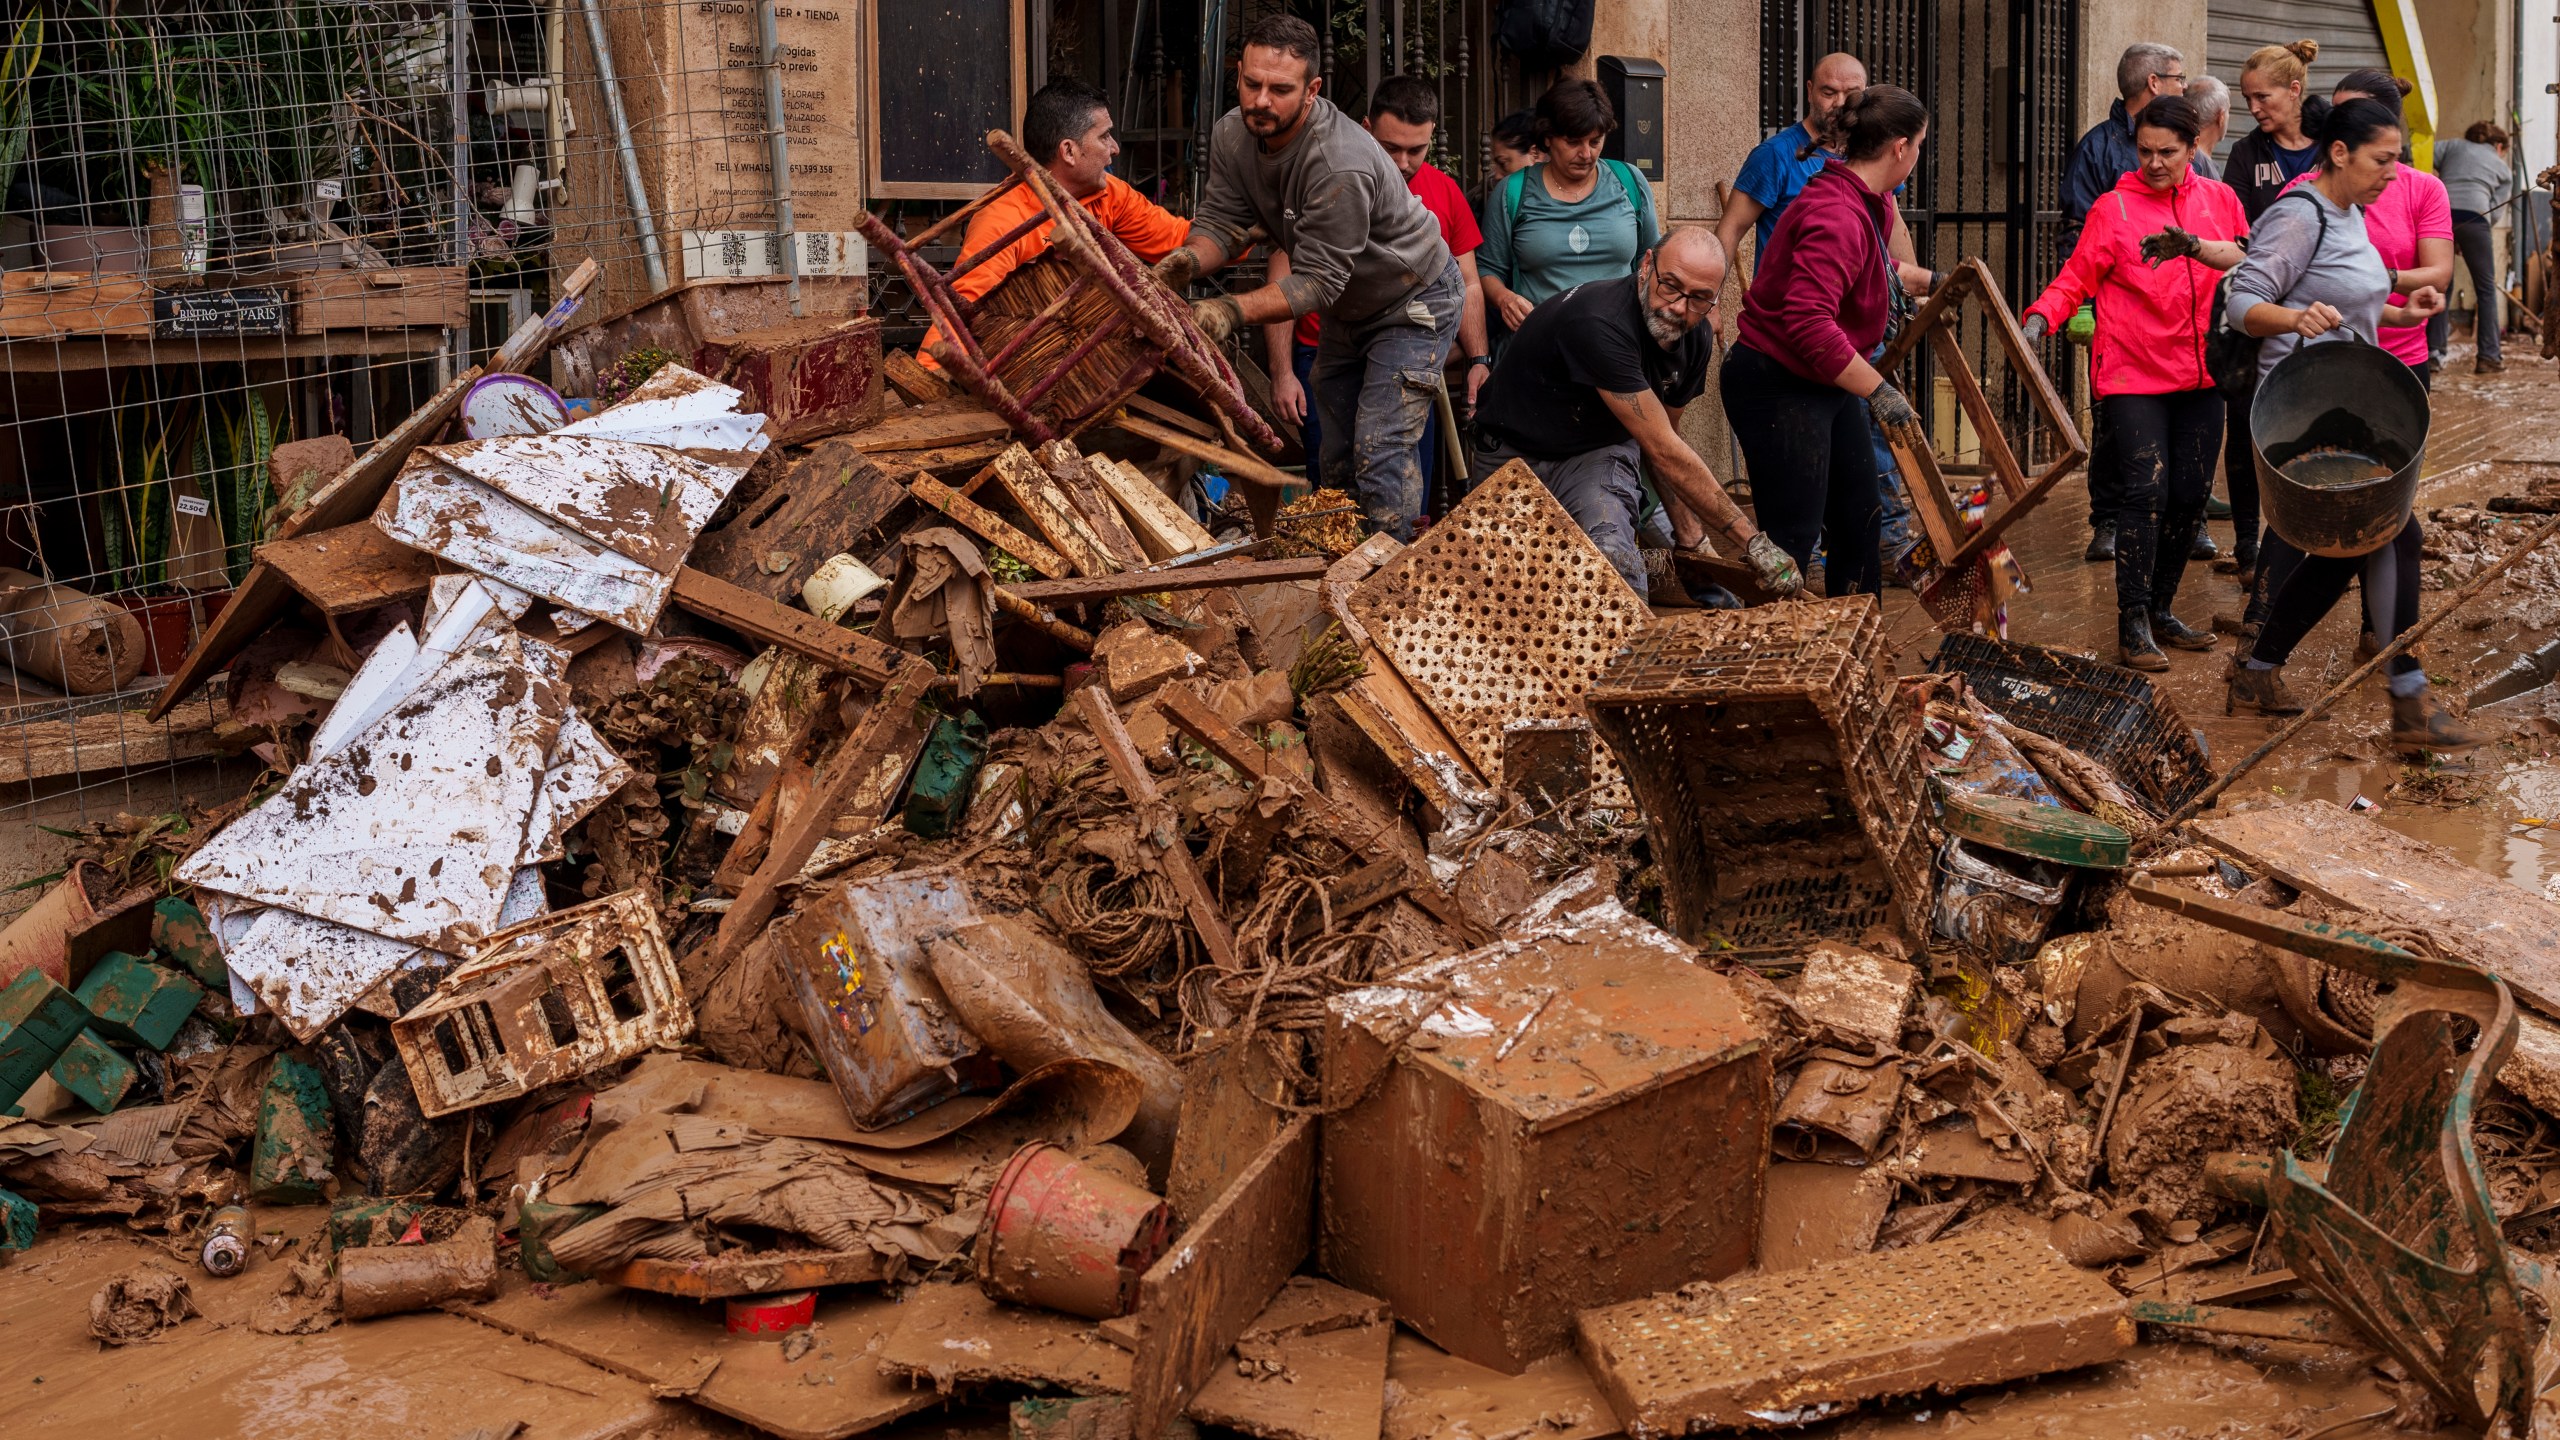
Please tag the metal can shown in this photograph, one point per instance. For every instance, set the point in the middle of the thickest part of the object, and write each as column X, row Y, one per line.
column 226, row 1241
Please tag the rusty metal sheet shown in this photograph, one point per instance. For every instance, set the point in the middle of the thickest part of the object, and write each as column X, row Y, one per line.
column 1330, row 1385
column 415, row 829
column 2353, row 861
column 953, row 1334
column 682, row 410
column 1796, row 1346
column 1195, row 1302
column 546, row 1001
column 466, row 521
column 1502, row 611
column 644, row 502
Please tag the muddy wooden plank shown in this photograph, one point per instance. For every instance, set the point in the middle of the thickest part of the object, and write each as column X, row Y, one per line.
column 1101, row 514
column 1162, row 526
column 1202, row 1296
column 2353, row 861
column 1033, row 491
column 1159, row 829
column 1437, row 1396
column 1212, row 576
column 890, row 732
column 350, row 569
column 1326, row 1385
column 353, row 493
column 988, row 526
column 913, row 382
column 953, row 1334
column 1227, row 462
column 1228, row 1118
column 797, row 631
column 1816, row 1214
column 950, row 462
column 924, row 429
column 829, row 502
column 834, row 1390
column 106, row 740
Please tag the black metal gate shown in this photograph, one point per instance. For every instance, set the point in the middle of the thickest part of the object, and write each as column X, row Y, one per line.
column 2001, row 78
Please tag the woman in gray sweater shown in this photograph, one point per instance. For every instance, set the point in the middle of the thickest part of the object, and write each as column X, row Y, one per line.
column 2313, row 277
column 2477, row 180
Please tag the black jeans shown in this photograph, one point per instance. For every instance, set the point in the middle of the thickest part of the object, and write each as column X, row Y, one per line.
column 2240, row 472
column 2480, row 257
column 2106, row 469
column 1813, row 469
column 2314, row 584
column 2164, row 447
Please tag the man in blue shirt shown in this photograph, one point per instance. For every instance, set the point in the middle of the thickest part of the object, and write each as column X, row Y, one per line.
column 1779, row 166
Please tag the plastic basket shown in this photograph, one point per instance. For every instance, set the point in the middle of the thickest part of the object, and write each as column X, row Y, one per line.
column 2106, row 712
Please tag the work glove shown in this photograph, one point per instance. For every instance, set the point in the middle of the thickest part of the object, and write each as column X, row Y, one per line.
column 1179, row 269
column 1901, row 423
column 2171, row 244
column 1218, row 318
column 2035, row 328
column 1774, row 567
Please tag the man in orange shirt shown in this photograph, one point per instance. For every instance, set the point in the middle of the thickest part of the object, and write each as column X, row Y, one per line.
column 1067, row 127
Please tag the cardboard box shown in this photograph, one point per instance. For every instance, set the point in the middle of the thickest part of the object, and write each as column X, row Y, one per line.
column 1584, row 1119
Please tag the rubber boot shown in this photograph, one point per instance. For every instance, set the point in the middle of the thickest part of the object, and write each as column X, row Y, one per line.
column 2256, row 692
column 2202, row 547
column 2418, row 723
column 2177, row 634
column 2135, row 649
column 2102, row 542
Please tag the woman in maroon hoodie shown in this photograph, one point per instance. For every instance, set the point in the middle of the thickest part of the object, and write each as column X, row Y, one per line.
column 1797, row 386
column 2154, row 249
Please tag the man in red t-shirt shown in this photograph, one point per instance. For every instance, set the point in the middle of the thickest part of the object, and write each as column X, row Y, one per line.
column 1402, row 116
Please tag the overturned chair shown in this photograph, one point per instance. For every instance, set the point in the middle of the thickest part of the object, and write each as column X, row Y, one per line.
column 1070, row 336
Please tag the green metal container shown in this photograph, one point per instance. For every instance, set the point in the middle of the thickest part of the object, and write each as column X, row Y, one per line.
column 938, row 801
column 38, row 1019
column 296, row 1147
column 95, row 1072
column 135, row 1001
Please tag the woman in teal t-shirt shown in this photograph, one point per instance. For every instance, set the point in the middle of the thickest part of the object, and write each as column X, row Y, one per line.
column 1574, row 218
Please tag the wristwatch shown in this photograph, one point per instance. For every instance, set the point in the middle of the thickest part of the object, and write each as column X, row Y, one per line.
column 1479, row 360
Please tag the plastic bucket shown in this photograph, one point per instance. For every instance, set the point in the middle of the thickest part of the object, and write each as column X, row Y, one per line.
column 2341, row 408
column 1064, row 1236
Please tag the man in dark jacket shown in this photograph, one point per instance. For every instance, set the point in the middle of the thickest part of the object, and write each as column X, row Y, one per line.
column 2145, row 70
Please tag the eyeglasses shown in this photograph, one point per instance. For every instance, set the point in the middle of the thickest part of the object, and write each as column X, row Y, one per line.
column 2170, row 79
column 1673, row 294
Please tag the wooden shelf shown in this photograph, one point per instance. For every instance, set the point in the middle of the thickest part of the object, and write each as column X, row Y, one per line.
column 40, row 357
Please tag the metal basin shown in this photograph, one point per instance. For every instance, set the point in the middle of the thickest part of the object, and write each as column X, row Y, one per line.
column 2339, row 431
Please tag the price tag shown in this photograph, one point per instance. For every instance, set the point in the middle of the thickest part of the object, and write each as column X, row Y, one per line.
column 330, row 189
column 195, row 505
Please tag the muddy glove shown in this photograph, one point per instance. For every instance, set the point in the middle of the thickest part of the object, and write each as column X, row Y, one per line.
column 1217, row 318
column 2171, row 244
column 1178, row 269
column 2034, row 328
column 1901, row 423
column 1774, row 567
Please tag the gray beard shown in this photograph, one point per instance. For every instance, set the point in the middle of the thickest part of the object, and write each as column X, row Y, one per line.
column 1666, row 331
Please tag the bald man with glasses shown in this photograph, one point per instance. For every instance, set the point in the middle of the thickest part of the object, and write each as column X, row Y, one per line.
column 1591, row 387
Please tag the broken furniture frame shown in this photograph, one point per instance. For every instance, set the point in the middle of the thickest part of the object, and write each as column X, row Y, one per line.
column 2399, row 1234
column 544, row 1002
column 1161, row 318
column 1958, row 556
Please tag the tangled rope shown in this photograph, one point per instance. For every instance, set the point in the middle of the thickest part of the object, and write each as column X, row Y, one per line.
column 1278, row 982
column 1130, row 928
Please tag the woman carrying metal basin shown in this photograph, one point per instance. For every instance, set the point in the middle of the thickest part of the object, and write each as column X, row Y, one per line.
column 2313, row 278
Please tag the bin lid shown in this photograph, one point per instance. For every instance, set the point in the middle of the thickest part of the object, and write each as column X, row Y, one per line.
column 2042, row 832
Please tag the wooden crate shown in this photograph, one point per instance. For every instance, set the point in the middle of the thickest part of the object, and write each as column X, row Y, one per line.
column 431, row 297
column 63, row 304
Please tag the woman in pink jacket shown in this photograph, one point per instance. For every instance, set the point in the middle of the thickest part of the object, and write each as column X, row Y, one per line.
column 2151, row 256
